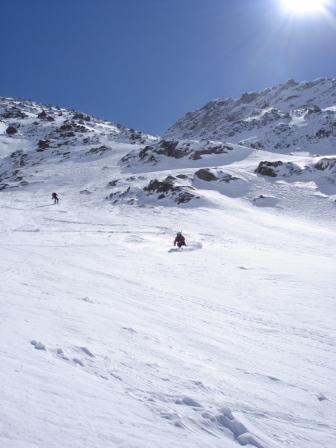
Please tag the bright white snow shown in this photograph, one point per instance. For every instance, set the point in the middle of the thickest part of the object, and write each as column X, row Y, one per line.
column 108, row 338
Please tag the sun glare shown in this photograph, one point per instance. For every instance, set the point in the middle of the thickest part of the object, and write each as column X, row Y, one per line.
column 305, row 6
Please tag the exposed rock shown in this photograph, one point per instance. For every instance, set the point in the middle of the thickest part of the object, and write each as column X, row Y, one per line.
column 167, row 187
column 44, row 116
column 13, row 112
column 100, row 150
column 43, row 144
column 169, row 149
column 161, row 186
column 18, row 159
column 81, row 116
column 326, row 164
column 219, row 149
column 113, row 183
column 134, row 135
column 323, row 133
column 193, row 150
column 68, row 130
column 248, row 97
column 267, row 168
column 11, row 130
column 206, row 175
column 313, row 109
column 279, row 168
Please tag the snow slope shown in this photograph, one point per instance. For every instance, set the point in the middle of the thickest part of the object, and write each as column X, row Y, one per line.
column 110, row 339
column 142, row 348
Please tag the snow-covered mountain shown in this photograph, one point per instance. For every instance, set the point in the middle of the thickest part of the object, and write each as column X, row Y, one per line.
column 110, row 337
column 286, row 118
column 45, row 144
column 34, row 137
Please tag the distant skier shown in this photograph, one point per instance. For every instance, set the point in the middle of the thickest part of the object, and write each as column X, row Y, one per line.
column 179, row 240
column 55, row 197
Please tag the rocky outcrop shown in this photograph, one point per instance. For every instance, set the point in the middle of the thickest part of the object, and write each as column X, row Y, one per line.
column 13, row 112
column 43, row 144
column 100, row 150
column 326, row 164
column 11, row 130
column 44, row 116
column 206, row 174
column 185, row 149
column 278, row 168
column 168, row 188
column 168, row 191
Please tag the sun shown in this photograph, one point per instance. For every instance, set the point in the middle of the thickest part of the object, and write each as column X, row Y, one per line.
column 305, row 6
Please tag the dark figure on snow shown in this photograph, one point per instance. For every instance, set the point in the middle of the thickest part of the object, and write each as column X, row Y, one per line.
column 179, row 240
column 55, row 197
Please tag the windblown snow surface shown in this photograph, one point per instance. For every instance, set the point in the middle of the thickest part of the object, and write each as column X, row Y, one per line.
column 109, row 338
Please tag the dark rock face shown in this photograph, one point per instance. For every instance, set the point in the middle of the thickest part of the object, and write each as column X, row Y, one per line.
column 11, row 130
column 18, row 159
column 314, row 109
column 13, row 112
column 163, row 186
column 134, row 135
column 113, row 183
column 43, row 144
column 177, row 150
column 169, row 149
column 12, row 174
column 44, row 116
column 326, row 164
column 68, row 130
column 184, row 197
column 256, row 145
column 167, row 188
column 219, row 149
column 206, row 175
column 267, row 168
column 81, row 116
column 248, row 97
column 165, row 147
column 323, row 133
column 279, row 168
column 100, row 150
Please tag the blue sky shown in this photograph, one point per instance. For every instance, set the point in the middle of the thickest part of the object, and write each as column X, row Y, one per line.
column 144, row 63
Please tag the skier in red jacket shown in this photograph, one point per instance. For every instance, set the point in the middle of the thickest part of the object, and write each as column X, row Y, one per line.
column 179, row 240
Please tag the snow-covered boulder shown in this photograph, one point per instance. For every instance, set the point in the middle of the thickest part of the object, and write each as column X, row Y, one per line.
column 326, row 164
column 169, row 190
column 278, row 168
column 185, row 149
